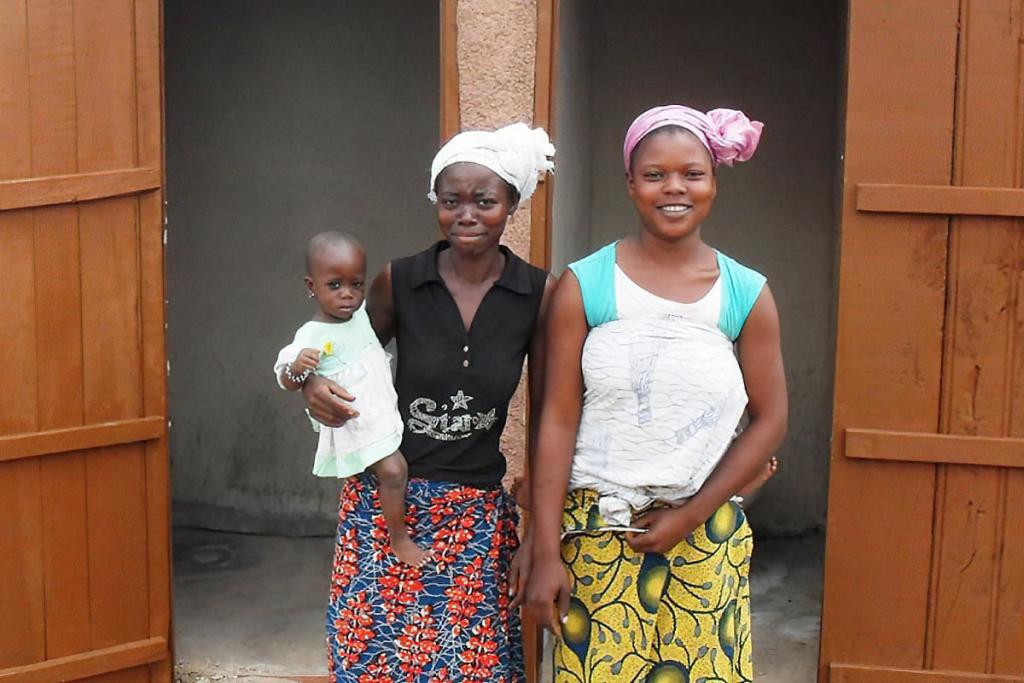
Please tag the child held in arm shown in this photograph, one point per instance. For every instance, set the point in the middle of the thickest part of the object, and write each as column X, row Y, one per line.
column 340, row 344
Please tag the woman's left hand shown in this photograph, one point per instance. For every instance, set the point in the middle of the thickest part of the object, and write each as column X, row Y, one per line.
column 519, row 572
column 666, row 527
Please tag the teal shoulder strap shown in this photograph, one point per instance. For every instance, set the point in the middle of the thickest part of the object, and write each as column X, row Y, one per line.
column 596, row 275
column 740, row 288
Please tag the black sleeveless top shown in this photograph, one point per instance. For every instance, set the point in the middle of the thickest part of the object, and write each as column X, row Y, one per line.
column 454, row 386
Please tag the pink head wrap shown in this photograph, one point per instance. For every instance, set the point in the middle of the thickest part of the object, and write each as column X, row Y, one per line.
column 727, row 133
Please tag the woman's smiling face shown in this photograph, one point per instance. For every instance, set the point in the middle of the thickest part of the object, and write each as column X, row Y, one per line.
column 672, row 183
column 473, row 206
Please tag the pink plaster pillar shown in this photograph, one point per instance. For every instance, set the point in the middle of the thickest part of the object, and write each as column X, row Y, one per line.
column 496, row 55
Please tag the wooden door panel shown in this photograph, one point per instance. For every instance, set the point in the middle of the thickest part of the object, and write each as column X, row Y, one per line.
column 66, row 554
column 17, row 325
column 58, row 278
column 963, row 567
column 861, row 674
column 889, row 331
column 116, row 486
column 21, row 639
column 111, row 333
column 105, row 84
column 15, row 111
column 984, row 269
column 84, row 497
column 1009, row 622
column 51, row 41
column 880, row 444
column 951, row 586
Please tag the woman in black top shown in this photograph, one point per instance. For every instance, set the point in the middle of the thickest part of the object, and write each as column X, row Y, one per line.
column 465, row 313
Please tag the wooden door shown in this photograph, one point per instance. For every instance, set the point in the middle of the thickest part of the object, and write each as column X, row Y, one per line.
column 925, row 551
column 84, row 498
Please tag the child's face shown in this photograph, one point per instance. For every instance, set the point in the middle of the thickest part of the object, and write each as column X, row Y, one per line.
column 337, row 276
column 672, row 184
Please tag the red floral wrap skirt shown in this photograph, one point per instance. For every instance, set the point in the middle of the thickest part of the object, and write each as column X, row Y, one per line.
column 446, row 621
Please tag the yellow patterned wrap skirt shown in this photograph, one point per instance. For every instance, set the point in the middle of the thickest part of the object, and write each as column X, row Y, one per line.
column 678, row 617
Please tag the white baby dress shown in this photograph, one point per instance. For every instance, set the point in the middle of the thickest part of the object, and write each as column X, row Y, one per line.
column 351, row 356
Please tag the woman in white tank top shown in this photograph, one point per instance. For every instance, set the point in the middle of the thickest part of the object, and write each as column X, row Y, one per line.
column 657, row 345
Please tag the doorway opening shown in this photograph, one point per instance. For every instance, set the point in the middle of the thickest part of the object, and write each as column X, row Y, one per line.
column 781, row 63
column 283, row 120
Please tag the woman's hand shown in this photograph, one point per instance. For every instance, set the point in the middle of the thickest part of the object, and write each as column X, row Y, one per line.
column 547, row 597
column 519, row 571
column 328, row 403
column 666, row 528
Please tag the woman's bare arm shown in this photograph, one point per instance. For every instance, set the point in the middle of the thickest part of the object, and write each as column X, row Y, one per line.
column 536, row 365
column 519, row 572
column 562, row 401
column 380, row 305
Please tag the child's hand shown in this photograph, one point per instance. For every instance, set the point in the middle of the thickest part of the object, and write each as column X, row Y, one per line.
column 307, row 360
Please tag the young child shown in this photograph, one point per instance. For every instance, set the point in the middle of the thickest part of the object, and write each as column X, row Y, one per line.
column 339, row 343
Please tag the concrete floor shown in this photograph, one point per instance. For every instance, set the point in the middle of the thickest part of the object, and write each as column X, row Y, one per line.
column 252, row 607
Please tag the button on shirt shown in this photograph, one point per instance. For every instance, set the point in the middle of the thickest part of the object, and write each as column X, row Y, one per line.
column 454, row 385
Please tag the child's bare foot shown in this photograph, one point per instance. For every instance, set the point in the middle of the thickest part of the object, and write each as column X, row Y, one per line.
column 757, row 482
column 408, row 552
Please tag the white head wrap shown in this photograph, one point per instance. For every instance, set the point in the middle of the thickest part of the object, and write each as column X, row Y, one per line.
column 516, row 153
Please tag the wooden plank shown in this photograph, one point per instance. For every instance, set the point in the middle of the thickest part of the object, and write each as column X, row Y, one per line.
column 59, row 327
column 65, row 554
column 82, row 438
column 966, row 562
column 77, row 187
column 105, row 84
column 17, row 305
column 51, row 41
column 978, row 324
column 22, row 628
column 878, row 444
column 59, row 378
column 15, row 114
column 118, row 584
column 158, row 548
column 17, row 325
column 154, row 373
column 854, row 673
column 149, row 83
column 1009, row 639
column 940, row 199
column 111, row 326
column 545, row 76
column 149, row 94
column 141, row 674
column 901, row 57
column 58, row 335
column 451, row 115
column 93, row 663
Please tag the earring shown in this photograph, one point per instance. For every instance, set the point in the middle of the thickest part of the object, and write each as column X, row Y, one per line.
column 311, row 295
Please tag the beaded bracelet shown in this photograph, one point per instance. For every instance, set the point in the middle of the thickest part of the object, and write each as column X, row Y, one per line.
column 297, row 379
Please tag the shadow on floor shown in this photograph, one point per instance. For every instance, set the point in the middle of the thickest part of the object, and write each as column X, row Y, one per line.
column 252, row 607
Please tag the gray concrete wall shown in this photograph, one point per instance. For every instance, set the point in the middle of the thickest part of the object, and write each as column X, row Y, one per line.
column 570, row 210
column 283, row 119
column 779, row 62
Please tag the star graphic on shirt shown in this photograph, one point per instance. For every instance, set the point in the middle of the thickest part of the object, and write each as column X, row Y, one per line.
column 460, row 400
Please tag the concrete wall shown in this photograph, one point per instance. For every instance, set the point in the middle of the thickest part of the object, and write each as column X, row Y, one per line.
column 283, row 119
column 779, row 62
column 570, row 210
